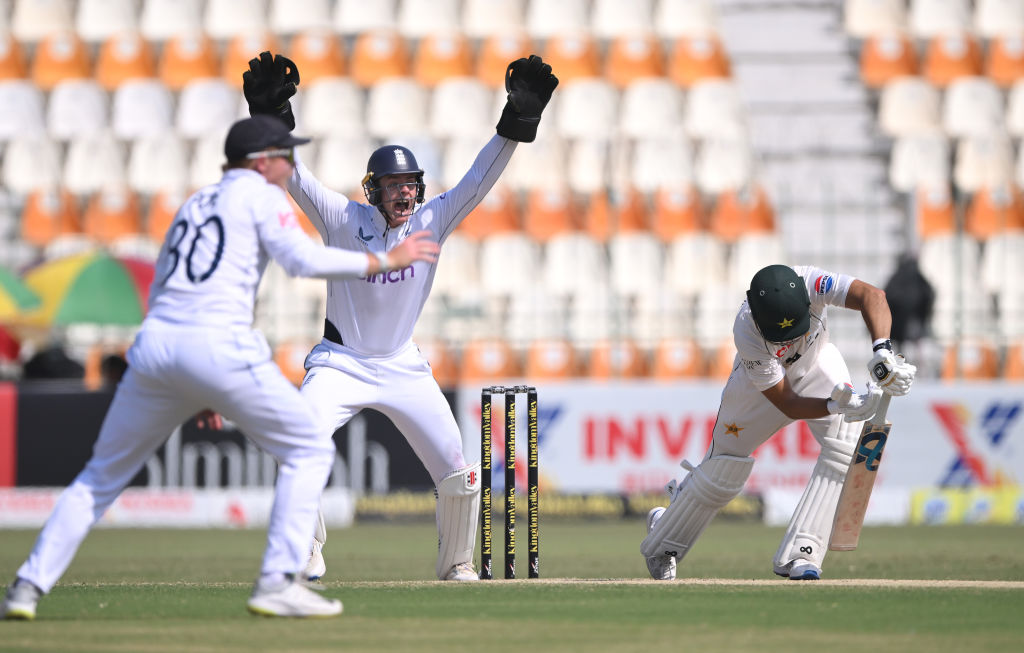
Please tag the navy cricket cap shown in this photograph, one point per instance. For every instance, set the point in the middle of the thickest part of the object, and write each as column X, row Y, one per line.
column 779, row 303
column 257, row 134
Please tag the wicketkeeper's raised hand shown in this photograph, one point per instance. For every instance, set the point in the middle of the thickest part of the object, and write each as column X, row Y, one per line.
column 268, row 85
column 529, row 83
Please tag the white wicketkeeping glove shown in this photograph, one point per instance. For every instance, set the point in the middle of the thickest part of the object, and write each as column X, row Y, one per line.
column 852, row 406
column 892, row 373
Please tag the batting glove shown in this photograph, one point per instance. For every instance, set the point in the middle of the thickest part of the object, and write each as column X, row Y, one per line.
column 893, row 373
column 852, row 406
column 268, row 84
column 529, row 83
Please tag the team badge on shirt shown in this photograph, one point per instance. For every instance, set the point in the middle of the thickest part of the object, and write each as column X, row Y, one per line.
column 823, row 284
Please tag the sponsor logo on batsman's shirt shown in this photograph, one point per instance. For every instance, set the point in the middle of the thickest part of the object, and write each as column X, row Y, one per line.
column 824, row 284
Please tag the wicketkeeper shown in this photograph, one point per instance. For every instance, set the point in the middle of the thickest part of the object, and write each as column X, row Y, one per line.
column 785, row 370
column 367, row 358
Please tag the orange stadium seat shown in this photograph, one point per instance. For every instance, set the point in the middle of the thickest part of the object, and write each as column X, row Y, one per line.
column 186, row 58
column 12, row 58
column 695, row 58
column 607, row 213
column 616, row 359
column 60, row 56
column 111, row 214
column 1004, row 60
column 123, row 57
column 676, row 212
column 677, row 358
column 994, row 210
column 949, row 57
column 1013, row 369
column 598, row 221
column 632, row 57
column 551, row 359
column 490, row 359
column 497, row 212
column 443, row 364
column 290, row 358
column 162, row 208
column 442, row 56
column 718, row 363
column 973, row 360
column 318, row 53
column 240, row 49
column 935, row 212
column 48, row 213
column 549, row 212
column 496, row 52
column 377, row 55
column 884, row 58
column 573, row 56
column 741, row 212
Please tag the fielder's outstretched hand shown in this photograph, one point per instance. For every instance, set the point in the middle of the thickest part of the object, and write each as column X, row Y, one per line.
column 268, row 85
column 414, row 248
column 529, row 83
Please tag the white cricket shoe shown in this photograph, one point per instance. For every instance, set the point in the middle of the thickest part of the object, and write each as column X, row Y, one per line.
column 463, row 571
column 661, row 567
column 316, row 567
column 804, row 570
column 20, row 600
column 290, row 598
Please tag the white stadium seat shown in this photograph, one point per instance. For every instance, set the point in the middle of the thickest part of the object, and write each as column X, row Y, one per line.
column 161, row 20
column 142, row 108
column 97, row 20
column 76, row 107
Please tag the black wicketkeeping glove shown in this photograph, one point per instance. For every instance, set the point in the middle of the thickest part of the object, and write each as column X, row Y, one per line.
column 529, row 83
column 268, row 84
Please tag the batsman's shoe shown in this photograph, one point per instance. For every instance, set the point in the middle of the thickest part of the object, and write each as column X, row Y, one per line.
column 661, row 567
column 290, row 599
column 20, row 600
column 804, row 570
column 463, row 571
column 316, row 567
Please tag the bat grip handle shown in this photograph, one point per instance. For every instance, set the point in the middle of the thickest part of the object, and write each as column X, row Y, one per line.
column 883, row 408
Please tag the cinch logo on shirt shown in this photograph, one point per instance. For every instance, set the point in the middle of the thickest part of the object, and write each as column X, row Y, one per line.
column 392, row 276
column 823, row 284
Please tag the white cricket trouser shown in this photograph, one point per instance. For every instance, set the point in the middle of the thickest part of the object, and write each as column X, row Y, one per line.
column 175, row 372
column 747, row 419
column 341, row 382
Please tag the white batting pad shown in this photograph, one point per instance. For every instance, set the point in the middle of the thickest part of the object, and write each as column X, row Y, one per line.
column 708, row 487
column 809, row 528
column 458, row 508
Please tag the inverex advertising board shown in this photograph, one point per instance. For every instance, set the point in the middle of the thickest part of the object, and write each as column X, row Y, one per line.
column 630, row 437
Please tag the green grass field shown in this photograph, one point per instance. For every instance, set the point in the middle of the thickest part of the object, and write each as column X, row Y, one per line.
column 904, row 589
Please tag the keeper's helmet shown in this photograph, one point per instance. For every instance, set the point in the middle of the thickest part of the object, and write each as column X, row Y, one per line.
column 779, row 303
column 390, row 160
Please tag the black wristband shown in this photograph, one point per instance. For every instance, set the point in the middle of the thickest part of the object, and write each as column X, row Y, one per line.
column 885, row 344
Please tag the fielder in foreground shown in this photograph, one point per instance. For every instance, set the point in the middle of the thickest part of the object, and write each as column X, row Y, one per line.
column 785, row 370
column 197, row 350
column 367, row 358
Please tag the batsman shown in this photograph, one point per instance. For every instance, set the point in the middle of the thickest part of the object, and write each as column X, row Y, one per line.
column 785, row 370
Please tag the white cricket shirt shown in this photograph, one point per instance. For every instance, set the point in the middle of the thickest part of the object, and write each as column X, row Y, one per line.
column 766, row 363
column 376, row 315
column 218, row 246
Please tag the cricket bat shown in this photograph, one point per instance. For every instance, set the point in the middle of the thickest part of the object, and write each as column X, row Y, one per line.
column 860, row 478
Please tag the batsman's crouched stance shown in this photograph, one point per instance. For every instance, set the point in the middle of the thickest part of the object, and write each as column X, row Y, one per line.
column 785, row 370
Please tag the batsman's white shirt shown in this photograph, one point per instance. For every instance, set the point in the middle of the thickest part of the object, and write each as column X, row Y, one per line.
column 197, row 350
column 378, row 366
column 813, row 365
